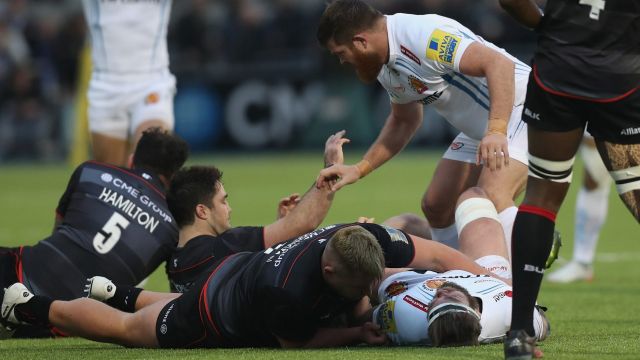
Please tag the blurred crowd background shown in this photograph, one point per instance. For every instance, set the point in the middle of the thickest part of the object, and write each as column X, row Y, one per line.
column 250, row 74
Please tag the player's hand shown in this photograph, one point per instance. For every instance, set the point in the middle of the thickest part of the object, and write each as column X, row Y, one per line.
column 366, row 220
column 287, row 204
column 333, row 153
column 493, row 151
column 372, row 334
column 337, row 176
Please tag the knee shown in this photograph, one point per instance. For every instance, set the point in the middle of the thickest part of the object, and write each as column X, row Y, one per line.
column 473, row 192
column 438, row 210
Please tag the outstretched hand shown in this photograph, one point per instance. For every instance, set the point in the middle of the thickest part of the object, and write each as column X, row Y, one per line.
column 372, row 334
column 287, row 204
column 493, row 151
column 337, row 176
column 333, row 153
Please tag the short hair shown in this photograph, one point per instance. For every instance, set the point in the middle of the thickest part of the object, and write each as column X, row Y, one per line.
column 189, row 187
column 160, row 151
column 456, row 328
column 358, row 251
column 342, row 19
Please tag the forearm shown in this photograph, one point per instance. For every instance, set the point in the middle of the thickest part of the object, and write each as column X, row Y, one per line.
column 434, row 256
column 526, row 12
column 395, row 135
column 501, row 82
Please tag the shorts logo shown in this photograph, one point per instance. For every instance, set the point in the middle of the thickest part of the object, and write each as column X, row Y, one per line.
column 531, row 114
column 630, row 131
column 431, row 98
column 457, row 145
column 409, row 54
column 152, row 98
column 442, row 47
column 416, row 303
column 396, row 288
column 106, row 177
column 163, row 329
column 434, row 283
column 417, row 85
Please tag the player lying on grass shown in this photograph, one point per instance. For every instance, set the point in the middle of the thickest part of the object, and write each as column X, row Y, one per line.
column 284, row 296
column 198, row 201
column 455, row 307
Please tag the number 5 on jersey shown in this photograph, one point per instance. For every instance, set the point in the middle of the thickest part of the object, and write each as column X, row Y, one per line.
column 110, row 233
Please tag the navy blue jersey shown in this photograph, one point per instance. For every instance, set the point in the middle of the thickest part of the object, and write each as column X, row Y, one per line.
column 251, row 297
column 589, row 48
column 199, row 256
column 115, row 223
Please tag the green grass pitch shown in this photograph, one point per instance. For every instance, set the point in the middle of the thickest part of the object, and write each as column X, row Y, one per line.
column 600, row 320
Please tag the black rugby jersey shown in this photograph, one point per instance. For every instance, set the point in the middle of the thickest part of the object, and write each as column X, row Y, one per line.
column 589, row 50
column 202, row 253
column 252, row 296
column 115, row 223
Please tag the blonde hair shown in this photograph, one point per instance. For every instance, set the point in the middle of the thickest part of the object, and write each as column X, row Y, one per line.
column 358, row 252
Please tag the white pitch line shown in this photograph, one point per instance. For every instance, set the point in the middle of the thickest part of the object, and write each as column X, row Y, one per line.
column 617, row 257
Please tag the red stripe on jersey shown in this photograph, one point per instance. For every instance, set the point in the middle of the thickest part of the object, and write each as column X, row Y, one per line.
column 538, row 211
column 190, row 267
column 284, row 283
column 576, row 97
column 19, row 266
column 153, row 187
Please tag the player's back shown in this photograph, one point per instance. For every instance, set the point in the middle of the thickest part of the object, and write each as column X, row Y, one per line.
column 115, row 223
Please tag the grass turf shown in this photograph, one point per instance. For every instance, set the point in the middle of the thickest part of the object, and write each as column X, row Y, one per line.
column 599, row 320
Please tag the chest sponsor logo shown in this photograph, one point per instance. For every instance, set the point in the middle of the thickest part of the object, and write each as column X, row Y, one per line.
column 457, row 145
column 406, row 52
column 442, row 47
column 417, row 85
column 431, row 98
column 416, row 303
column 396, row 288
column 502, row 295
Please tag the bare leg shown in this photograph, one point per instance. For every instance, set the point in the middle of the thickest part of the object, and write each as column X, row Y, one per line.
column 619, row 157
column 94, row 320
column 147, row 298
column 109, row 149
column 411, row 223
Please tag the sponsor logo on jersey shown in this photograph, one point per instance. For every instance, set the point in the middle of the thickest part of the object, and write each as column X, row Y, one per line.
column 152, row 98
column 396, row 288
column 385, row 317
column 502, row 295
column 530, row 114
column 417, row 85
column 406, row 52
column 431, row 98
column 416, row 303
column 630, row 131
column 434, row 283
column 396, row 235
column 106, row 177
column 442, row 47
column 457, row 145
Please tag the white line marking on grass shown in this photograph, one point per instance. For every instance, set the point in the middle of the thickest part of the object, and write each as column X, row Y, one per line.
column 617, row 257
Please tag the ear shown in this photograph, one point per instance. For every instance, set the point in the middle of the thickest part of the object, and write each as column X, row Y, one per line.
column 360, row 41
column 201, row 212
column 328, row 270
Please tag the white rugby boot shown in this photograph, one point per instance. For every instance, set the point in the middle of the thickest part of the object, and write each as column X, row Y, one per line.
column 571, row 272
column 14, row 295
column 99, row 288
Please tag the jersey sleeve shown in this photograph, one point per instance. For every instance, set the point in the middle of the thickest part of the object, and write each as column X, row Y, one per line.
column 284, row 316
column 397, row 245
column 63, row 203
column 244, row 238
column 445, row 46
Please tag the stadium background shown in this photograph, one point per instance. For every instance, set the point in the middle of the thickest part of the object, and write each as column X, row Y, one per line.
column 257, row 97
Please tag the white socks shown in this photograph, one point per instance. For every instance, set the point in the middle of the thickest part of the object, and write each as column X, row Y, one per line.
column 507, row 217
column 447, row 236
column 591, row 212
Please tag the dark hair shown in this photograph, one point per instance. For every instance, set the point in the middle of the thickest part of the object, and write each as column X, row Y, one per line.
column 344, row 18
column 456, row 328
column 160, row 152
column 189, row 187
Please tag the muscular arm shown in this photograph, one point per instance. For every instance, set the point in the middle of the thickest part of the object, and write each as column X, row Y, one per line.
column 524, row 11
column 305, row 217
column 431, row 255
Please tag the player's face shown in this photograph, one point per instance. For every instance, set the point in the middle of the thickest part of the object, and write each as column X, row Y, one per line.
column 366, row 62
column 447, row 294
column 350, row 287
column 220, row 211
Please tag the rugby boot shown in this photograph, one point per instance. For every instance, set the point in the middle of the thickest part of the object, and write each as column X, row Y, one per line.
column 518, row 345
column 571, row 272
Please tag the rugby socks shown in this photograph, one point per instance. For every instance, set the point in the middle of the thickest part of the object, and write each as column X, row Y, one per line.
column 447, row 236
column 507, row 217
column 531, row 244
column 591, row 213
column 124, row 298
column 35, row 311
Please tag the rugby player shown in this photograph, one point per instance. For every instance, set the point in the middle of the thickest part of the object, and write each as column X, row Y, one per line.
column 430, row 60
column 280, row 297
column 131, row 87
column 110, row 221
column 586, row 74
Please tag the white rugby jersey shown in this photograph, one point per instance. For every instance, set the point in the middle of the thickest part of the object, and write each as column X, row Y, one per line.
column 424, row 66
column 128, row 36
column 405, row 299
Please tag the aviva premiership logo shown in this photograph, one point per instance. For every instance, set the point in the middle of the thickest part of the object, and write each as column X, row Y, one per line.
column 417, row 85
column 442, row 47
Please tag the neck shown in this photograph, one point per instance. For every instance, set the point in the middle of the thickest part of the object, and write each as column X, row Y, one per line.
column 194, row 230
column 384, row 40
